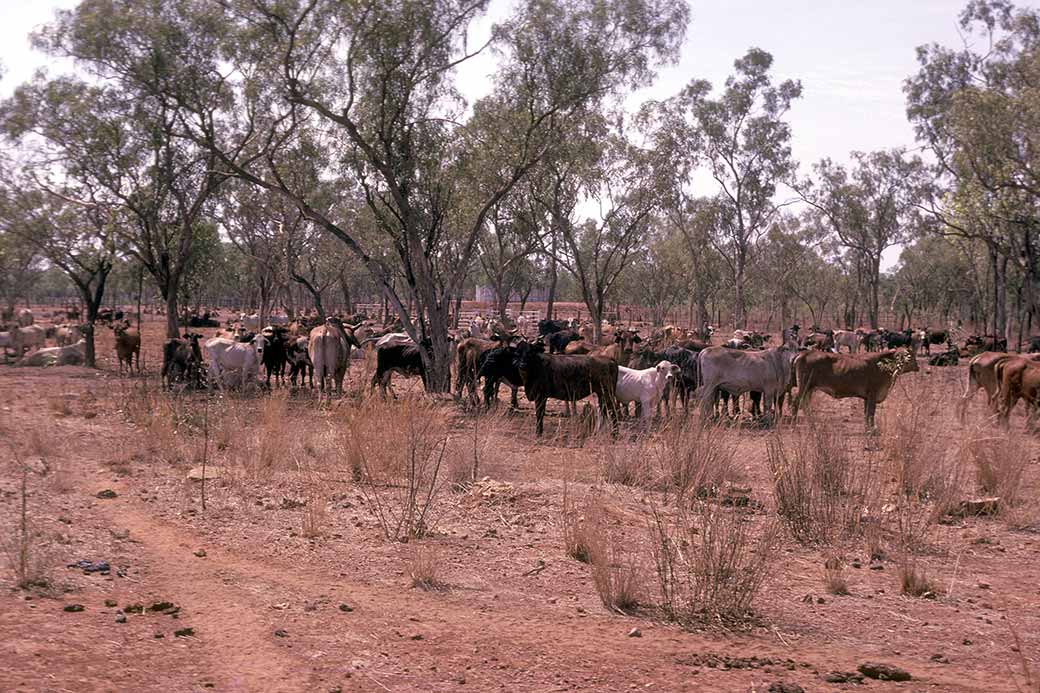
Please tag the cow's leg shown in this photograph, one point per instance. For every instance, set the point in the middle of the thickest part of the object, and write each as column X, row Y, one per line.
column 539, row 415
column 869, row 409
column 513, row 402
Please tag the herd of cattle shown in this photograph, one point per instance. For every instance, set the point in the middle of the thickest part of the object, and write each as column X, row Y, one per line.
column 564, row 361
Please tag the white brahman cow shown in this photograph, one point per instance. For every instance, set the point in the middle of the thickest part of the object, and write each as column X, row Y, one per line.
column 645, row 387
column 227, row 356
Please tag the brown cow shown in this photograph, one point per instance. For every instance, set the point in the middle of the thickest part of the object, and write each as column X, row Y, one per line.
column 621, row 350
column 867, row 376
column 1019, row 379
column 128, row 344
column 982, row 374
column 468, row 362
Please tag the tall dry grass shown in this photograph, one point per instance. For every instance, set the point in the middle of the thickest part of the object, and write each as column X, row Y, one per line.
column 397, row 449
column 710, row 561
column 819, row 485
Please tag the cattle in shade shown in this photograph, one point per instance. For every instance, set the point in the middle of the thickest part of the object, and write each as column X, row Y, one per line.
column 684, row 384
column 848, row 339
column 566, row 378
column 737, row 372
column 498, row 365
column 866, row 376
column 329, row 349
column 128, row 345
column 986, row 342
column 822, row 340
column 397, row 357
column 559, row 340
column 468, row 354
column 299, row 361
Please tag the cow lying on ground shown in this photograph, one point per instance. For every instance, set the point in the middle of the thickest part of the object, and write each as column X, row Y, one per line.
column 987, row 342
column 71, row 355
column 868, row 377
column 645, row 387
column 182, row 361
column 566, row 378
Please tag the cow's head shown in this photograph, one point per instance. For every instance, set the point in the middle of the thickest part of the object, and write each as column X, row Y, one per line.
column 260, row 343
column 667, row 370
column 525, row 355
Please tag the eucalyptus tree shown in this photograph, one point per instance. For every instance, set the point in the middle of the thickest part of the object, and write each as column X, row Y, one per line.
column 607, row 172
column 114, row 130
column 79, row 239
column 19, row 268
column 868, row 208
column 976, row 108
column 744, row 141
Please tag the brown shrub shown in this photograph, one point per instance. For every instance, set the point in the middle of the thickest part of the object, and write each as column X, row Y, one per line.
column 820, row 490
column 618, row 574
column 834, row 578
column 24, row 545
column 914, row 580
column 582, row 527
column 710, row 560
column 694, row 460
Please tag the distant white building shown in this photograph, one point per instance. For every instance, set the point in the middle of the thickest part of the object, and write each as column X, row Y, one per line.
column 486, row 294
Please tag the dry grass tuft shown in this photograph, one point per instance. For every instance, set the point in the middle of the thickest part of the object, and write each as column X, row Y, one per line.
column 424, row 568
column 618, row 574
column 694, row 460
column 627, row 465
column 711, row 561
column 25, row 547
column 820, row 490
column 582, row 527
column 914, row 580
column 834, row 577
column 397, row 450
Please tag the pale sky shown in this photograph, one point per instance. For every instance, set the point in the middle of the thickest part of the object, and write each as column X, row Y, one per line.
column 851, row 56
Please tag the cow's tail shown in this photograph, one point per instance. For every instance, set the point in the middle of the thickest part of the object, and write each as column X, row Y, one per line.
column 971, row 386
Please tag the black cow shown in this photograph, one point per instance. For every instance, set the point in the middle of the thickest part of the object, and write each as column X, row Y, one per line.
column 182, row 361
column 299, row 360
column 947, row 358
column 896, row 340
column 398, row 358
column 494, row 366
column 1032, row 346
column 931, row 337
column 547, row 327
column 559, row 340
column 823, row 340
column 567, row 378
column 275, row 354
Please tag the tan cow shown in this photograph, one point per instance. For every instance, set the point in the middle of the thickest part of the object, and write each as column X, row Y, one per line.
column 1019, row 379
column 27, row 338
column 983, row 375
column 329, row 349
column 128, row 345
column 868, row 377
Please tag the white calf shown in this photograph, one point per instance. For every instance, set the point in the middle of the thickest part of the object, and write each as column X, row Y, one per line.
column 646, row 386
column 71, row 355
column 228, row 356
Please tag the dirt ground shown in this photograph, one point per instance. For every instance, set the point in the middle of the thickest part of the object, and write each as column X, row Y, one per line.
column 254, row 601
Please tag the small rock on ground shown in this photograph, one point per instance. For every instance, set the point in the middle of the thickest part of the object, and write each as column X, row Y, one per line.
column 73, row 608
column 785, row 687
column 635, row 633
column 107, row 493
column 884, row 672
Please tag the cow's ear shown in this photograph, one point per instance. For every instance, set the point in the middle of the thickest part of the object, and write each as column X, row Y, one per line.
column 637, row 339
